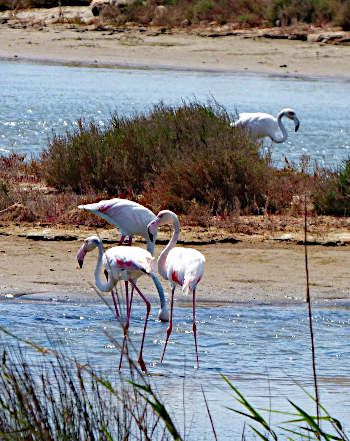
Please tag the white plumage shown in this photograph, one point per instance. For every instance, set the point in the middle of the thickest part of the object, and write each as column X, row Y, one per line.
column 181, row 266
column 131, row 219
column 120, row 263
column 261, row 125
column 184, row 267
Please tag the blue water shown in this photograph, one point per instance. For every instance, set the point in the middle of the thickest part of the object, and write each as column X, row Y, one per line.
column 39, row 100
column 256, row 347
column 260, row 349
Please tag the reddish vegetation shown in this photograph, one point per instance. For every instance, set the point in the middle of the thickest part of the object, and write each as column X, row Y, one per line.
column 187, row 159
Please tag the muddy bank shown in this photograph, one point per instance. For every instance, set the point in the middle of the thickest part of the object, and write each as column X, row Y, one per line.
column 43, row 35
column 263, row 268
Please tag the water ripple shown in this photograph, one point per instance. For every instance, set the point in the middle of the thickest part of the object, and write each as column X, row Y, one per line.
column 61, row 95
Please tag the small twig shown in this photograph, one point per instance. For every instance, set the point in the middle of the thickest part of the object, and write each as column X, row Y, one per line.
column 11, row 207
column 243, row 432
column 308, row 299
column 101, row 297
column 183, row 394
column 209, row 414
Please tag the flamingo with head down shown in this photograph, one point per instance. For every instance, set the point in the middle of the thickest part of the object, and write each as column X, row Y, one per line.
column 131, row 219
column 121, row 263
column 181, row 266
column 261, row 125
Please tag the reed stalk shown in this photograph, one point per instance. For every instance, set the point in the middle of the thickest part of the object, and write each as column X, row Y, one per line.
column 308, row 300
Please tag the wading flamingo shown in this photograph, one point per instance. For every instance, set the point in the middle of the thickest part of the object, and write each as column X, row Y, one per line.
column 181, row 266
column 121, row 263
column 261, row 125
column 131, row 219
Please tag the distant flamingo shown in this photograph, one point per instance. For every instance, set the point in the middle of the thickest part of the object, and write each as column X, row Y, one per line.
column 131, row 219
column 121, row 263
column 261, row 125
column 181, row 266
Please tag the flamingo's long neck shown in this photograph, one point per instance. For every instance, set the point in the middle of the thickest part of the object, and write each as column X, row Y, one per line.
column 151, row 245
column 164, row 254
column 101, row 285
column 283, row 129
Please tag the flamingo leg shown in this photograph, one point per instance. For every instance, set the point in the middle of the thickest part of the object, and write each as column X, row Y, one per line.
column 194, row 325
column 113, row 297
column 131, row 296
column 170, row 327
column 127, row 297
column 148, row 306
column 115, row 303
column 126, row 326
column 128, row 303
column 121, row 240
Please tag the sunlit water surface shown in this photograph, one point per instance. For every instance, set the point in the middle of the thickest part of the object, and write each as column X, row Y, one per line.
column 256, row 347
column 39, row 100
column 260, row 349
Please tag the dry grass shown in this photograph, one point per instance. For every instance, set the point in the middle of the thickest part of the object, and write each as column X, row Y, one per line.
column 187, row 159
column 58, row 398
column 189, row 13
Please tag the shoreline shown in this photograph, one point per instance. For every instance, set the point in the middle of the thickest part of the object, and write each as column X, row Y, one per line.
column 255, row 267
column 27, row 37
column 259, row 270
column 199, row 69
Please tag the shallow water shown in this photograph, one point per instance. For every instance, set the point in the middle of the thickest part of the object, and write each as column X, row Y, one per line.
column 37, row 100
column 260, row 349
column 257, row 347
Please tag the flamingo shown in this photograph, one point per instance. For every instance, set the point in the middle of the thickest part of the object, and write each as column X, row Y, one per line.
column 181, row 266
column 260, row 125
column 121, row 263
column 130, row 218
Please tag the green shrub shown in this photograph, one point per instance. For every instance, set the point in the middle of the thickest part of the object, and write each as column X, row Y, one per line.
column 20, row 4
column 343, row 16
column 309, row 11
column 331, row 195
column 202, row 9
column 173, row 155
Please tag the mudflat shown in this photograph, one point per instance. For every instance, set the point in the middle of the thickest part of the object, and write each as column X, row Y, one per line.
column 239, row 269
column 265, row 268
column 43, row 35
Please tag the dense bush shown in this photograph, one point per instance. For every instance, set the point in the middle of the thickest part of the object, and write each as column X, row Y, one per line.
column 244, row 13
column 309, row 11
column 175, row 156
column 331, row 194
column 187, row 158
column 20, row 4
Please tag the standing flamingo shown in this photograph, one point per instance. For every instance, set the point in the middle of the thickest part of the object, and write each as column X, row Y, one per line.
column 130, row 218
column 181, row 266
column 121, row 263
column 260, row 125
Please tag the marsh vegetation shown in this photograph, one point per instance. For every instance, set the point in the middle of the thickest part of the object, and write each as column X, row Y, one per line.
column 184, row 158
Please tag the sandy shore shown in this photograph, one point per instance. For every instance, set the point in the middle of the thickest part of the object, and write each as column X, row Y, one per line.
column 34, row 35
column 263, row 270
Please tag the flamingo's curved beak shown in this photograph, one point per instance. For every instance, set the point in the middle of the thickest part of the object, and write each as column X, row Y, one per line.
column 296, row 123
column 152, row 228
column 150, row 235
column 81, row 255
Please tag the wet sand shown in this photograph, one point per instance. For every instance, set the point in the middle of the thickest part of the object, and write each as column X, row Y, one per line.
column 35, row 35
column 263, row 271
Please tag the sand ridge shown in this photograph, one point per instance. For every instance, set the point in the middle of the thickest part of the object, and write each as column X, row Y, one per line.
column 36, row 35
column 263, row 269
